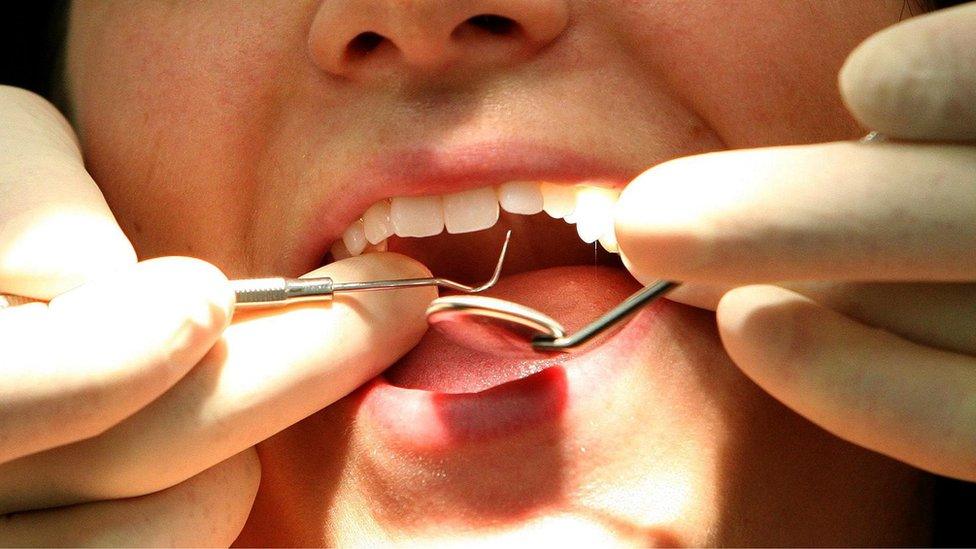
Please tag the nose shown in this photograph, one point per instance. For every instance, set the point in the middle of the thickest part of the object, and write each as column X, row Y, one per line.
column 360, row 38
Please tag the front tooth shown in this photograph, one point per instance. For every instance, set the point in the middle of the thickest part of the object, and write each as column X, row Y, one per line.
column 354, row 238
column 417, row 215
column 470, row 211
column 520, row 197
column 376, row 222
column 594, row 213
column 558, row 200
column 609, row 242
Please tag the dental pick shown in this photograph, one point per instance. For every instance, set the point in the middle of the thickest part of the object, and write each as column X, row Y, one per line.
column 279, row 291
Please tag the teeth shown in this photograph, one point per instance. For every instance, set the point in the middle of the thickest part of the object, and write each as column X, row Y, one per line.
column 594, row 213
column 589, row 207
column 381, row 247
column 470, row 211
column 354, row 238
column 339, row 251
column 520, row 197
column 609, row 242
column 558, row 200
column 376, row 222
column 417, row 216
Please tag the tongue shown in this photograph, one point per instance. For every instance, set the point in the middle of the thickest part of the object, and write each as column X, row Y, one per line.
column 572, row 295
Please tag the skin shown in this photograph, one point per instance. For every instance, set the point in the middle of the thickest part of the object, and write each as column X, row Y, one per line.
column 215, row 131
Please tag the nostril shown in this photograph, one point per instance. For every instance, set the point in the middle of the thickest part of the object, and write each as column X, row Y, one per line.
column 364, row 43
column 497, row 25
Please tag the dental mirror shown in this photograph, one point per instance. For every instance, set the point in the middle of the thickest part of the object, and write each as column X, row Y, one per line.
column 491, row 325
column 502, row 328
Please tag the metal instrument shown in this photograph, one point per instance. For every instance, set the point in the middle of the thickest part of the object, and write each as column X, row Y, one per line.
column 504, row 328
column 278, row 291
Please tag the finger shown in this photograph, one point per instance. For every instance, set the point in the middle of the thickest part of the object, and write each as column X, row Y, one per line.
column 937, row 315
column 208, row 510
column 840, row 211
column 74, row 368
column 270, row 370
column 703, row 296
column 865, row 385
column 56, row 231
column 917, row 79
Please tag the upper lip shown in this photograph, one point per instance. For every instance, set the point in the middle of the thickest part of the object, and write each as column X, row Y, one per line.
column 439, row 170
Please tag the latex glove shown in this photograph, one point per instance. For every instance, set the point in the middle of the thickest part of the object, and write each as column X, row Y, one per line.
column 874, row 337
column 129, row 406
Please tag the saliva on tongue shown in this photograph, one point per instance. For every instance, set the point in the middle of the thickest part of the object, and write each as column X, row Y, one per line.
column 573, row 295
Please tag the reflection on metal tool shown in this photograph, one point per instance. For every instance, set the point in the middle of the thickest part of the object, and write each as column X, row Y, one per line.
column 500, row 327
column 277, row 291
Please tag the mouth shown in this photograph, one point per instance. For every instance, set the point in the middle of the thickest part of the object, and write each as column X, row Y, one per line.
column 563, row 235
column 416, row 181
column 562, row 261
column 588, row 207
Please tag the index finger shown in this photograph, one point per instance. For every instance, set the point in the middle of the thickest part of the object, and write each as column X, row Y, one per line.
column 839, row 211
column 56, row 230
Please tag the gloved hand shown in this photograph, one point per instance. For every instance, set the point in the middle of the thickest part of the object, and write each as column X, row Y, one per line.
column 852, row 263
column 129, row 405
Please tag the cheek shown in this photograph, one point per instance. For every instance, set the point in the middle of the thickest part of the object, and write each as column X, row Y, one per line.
column 172, row 102
column 761, row 72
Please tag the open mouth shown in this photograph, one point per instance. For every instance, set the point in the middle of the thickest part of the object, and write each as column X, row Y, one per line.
column 562, row 261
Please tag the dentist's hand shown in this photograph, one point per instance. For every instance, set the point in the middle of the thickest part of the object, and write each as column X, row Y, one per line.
column 873, row 334
column 129, row 405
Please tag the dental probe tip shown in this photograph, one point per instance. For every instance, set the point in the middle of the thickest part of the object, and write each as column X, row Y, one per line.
column 443, row 282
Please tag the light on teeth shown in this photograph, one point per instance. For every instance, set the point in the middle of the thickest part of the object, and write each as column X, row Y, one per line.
column 520, row 197
column 589, row 207
column 609, row 242
column 354, row 238
column 558, row 200
column 417, row 216
column 376, row 222
column 470, row 211
column 594, row 212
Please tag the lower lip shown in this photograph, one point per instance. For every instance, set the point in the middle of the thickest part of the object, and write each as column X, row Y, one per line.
column 429, row 421
column 426, row 421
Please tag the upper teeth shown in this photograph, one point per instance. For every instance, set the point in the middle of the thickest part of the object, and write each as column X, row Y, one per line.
column 589, row 207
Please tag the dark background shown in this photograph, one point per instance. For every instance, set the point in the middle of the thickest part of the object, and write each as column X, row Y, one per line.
column 31, row 33
column 30, row 39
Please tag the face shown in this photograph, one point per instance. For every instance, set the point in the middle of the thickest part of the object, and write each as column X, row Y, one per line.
column 253, row 134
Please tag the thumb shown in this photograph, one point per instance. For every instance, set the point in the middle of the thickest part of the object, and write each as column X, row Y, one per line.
column 56, row 230
column 917, row 79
